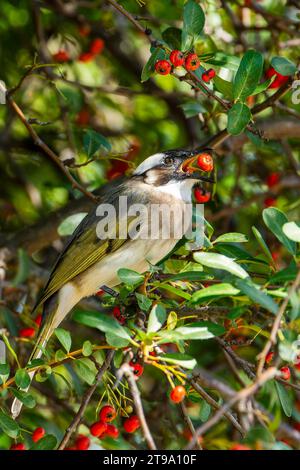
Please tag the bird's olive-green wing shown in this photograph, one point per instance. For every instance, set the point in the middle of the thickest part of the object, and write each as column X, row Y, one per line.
column 84, row 251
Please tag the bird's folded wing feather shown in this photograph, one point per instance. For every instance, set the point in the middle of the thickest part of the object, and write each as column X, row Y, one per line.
column 84, row 249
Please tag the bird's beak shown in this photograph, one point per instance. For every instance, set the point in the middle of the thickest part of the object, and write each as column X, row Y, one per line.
column 190, row 169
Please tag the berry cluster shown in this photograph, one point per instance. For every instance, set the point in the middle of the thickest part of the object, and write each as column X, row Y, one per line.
column 205, row 163
column 190, row 62
column 103, row 428
column 37, row 435
column 95, row 48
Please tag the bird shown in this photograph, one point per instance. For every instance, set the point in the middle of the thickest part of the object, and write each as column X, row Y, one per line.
column 96, row 250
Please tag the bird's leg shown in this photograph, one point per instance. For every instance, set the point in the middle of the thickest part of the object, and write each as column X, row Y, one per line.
column 110, row 291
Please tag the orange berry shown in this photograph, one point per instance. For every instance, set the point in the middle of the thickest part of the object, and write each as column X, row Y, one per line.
column 177, row 394
column 205, row 162
column 107, row 414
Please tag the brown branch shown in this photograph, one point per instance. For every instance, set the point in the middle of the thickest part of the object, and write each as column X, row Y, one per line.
column 126, row 370
column 241, row 395
column 189, row 423
column 276, row 325
column 85, row 400
column 44, row 147
column 215, row 405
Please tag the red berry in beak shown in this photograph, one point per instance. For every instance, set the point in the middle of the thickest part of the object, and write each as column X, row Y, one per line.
column 201, row 196
column 205, row 162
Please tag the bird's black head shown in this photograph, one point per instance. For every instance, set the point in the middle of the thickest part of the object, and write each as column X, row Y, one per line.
column 172, row 166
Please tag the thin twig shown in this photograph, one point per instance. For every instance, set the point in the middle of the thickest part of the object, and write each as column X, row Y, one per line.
column 44, row 147
column 85, row 400
column 126, row 370
column 276, row 325
column 241, row 395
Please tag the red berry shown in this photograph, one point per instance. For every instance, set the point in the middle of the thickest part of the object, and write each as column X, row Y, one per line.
column 100, row 293
column 138, row 369
column 201, row 196
column 98, row 428
column 285, row 373
column 177, row 58
column 107, row 414
column 97, row 46
column 269, row 357
column 37, row 434
column 272, row 179
column 131, row 424
column 112, row 431
column 86, row 57
column 27, row 332
column 177, row 394
column 279, row 80
column 82, row 443
column 38, row 320
column 205, row 162
column 61, row 56
column 270, row 202
column 205, row 77
column 192, row 62
column 211, row 73
column 240, row 447
column 163, row 67
column 18, row 446
column 83, row 117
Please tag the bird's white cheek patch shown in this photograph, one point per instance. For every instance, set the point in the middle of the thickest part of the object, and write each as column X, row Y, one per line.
column 179, row 189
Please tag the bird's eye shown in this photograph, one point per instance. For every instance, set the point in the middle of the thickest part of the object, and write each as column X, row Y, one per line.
column 169, row 160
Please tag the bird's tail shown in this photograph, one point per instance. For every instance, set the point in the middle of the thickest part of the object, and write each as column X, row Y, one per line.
column 37, row 352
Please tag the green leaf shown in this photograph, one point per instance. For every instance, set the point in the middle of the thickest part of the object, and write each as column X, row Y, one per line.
column 4, row 369
column 143, row 302
column 67, row 226
column 85, row 369
column 183, row 360
column 184, row 333
column 23, row 267
column 284, row 398
column 262, row 244
column 283, row 66
column 262, row 86
column 156, row 318
column 22, row 378
column 128, row 276
column 8, row 425
column 193, row 23
column 285, row 275
column 93, row 142
column 116, row 341
column 87, row 348
column 148, row 69
column 172, row 36
column 204, row 411
column 172, row 320
column 24, row 398
column 48, row 442
column 214, row 328
column 191, row 276
column 275, row 220
column 217, row 290
column 221, row 59
column 102, row 322
column 64, row 337
column 238, row 118
column 192, row 108
column 252, row 291
column 231, row 237
column 248, row 75
column 292, row 231
column 224, row 87
column 175, row 290
column 217, row 261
